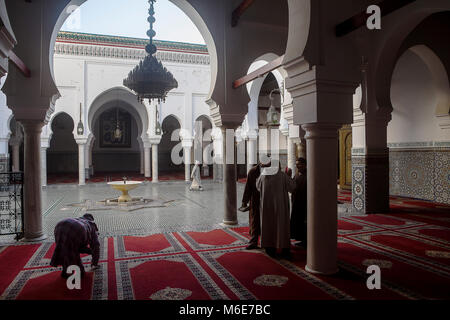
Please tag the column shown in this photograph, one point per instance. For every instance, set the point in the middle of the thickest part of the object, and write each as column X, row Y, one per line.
column 291, row 154
column 15, row 157
column 141, row 156
column 32, row 183
column 229, row 177
column 44, row 167
column 301, row 148
column 251, row 152
column 147, row 168
column 321, row 141
column 87, row 172
column 4, row 155
column 370, row 163
column 187, row 163
column 217, row 161
column 91, row 167
column 81, row 159
column 155, row 162
column 141, row 151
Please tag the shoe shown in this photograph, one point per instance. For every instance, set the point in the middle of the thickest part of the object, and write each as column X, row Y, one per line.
column 251, row 247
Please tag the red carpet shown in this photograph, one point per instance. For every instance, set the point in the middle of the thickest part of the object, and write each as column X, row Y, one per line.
column 412, row 250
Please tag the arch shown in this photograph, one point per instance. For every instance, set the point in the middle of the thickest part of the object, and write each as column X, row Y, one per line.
column 103, row 102
column 440, row 78
column 8, row 123
column 206, row 117
column 183, row 5
column 167, row 146
column 299, row 28
column 62, row 155
column 174, row 116
column 52, row 117
column 420, row 73
column 254, row 87
column 390, row 45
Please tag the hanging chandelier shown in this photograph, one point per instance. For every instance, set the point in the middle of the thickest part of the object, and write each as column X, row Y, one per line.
column 150, row 79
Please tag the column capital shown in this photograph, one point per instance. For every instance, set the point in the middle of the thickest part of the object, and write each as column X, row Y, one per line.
column 187, row 143
column 32, row 125
column 81, row 141
column 252, row 135
column 155, row 140
column 321, row 130
column 15, row 142
column 285, row 132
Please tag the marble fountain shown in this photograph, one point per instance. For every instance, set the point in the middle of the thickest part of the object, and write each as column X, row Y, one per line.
column 125, row 186
column 124, row 202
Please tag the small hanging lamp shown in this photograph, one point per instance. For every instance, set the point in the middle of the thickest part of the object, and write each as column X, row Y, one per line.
column 273, row 117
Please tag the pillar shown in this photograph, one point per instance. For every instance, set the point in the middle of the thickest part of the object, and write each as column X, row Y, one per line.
column 291, row 154
column 33, row 230
column 142, row 157
column 155, row 162
column 229, row 177
column 15, row 157
column 147, row 168
column 4, row 155
column 43, row 166
column 81, row 159
column 187, row 164
column 251, row 152
column 217, row 160
column 91, row 167
column 321, row 141
column 87, row 172
column 370, row 164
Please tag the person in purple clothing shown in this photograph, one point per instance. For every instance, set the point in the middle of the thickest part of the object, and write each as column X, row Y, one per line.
column 74, row 236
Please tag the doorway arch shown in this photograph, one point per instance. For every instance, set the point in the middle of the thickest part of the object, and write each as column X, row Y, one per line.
column 62, row 155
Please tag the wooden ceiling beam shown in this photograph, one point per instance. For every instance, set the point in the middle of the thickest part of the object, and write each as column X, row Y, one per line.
column 360, row 19
column 19, row 64
column 239, row 11
column 275, row 64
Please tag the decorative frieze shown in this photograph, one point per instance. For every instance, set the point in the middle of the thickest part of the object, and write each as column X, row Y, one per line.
column 424, row 144
column 128, row 53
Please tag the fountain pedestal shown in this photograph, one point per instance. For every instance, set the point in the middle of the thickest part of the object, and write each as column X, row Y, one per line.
column 125, row 187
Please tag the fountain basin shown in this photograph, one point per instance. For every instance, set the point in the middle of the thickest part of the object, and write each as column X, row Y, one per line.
column 125, row 187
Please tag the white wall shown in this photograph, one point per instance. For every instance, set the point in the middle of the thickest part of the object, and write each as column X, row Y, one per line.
column 414, row 99
column 81, row 79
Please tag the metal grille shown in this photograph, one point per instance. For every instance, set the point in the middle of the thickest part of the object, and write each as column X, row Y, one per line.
column 11, row 204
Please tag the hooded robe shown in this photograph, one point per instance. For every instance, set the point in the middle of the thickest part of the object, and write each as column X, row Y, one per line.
column 274, row 185
column 74, row 236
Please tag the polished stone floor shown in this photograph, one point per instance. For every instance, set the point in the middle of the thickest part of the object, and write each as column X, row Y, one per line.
column 184, row 211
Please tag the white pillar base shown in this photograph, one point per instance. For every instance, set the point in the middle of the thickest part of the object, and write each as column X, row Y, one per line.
column 331, row 272
column 39, row 238
column 228, row 223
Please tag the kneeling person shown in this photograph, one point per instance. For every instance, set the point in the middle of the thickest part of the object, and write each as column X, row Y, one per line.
column 73, row 237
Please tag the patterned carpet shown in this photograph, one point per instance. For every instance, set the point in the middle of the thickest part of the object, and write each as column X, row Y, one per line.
column 411, row 246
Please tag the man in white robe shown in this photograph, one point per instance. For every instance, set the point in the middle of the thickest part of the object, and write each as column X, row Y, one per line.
column 274, row 185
